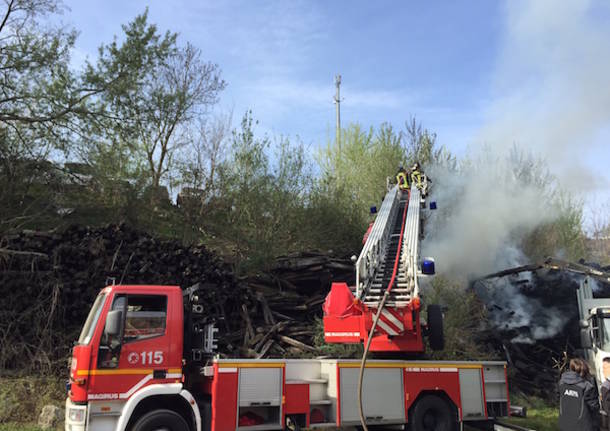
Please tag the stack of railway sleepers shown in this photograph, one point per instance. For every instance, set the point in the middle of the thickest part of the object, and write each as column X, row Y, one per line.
column 48, row 281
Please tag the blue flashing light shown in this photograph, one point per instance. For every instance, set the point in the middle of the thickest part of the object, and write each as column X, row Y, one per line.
column 427, row 266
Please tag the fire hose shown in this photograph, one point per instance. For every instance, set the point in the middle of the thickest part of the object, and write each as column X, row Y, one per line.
column 376, row 319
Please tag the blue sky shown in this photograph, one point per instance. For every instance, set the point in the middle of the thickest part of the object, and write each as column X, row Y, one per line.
column 280, row 58
column 476, row 71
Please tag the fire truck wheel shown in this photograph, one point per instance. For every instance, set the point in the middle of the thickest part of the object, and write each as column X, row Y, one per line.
column 432, row 413
column 435, row 327
column 161, row 420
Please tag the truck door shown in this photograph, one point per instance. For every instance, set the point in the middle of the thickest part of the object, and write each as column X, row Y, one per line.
column 595, row 331
column 139, row 353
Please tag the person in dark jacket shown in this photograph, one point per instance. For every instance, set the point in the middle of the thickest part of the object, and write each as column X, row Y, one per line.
column 578, row 399
column 605, row 395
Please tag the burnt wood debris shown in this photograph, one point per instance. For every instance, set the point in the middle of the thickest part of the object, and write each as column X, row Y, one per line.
column 532, row 318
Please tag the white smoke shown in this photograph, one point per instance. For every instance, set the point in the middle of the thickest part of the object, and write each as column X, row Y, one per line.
column 595, row 287
column 483, row 214
column 551, row 95
column 550, row 89
column 510, row 309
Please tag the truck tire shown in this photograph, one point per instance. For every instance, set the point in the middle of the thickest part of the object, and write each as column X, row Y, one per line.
column 432, row 413
column 435, row 327
column 166, row 420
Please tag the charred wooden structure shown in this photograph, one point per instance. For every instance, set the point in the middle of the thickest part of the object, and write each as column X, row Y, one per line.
column 532, row 318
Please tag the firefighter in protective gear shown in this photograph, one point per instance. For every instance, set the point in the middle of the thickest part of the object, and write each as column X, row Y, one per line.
column 402, row 179
column 416, row 175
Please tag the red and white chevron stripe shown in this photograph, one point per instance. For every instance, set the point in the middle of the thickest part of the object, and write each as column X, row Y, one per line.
column 390, row 322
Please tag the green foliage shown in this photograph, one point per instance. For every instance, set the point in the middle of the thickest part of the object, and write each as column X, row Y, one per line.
column 563, row 236
column 40, row 95
column 163, row 87
column 130, row 116
column 40, row 100
column 354, row 176
column 541, row 415
column 22, row 398
column 361, row 164
column 461, row 321
column 15, row 426
column 271, row 203
column 419, row 143
column 259, row 201
column 332, row 219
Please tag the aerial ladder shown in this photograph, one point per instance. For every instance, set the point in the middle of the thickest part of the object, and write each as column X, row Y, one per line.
column 387, row 283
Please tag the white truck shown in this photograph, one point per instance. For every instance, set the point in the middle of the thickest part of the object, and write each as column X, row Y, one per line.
column 594, row 327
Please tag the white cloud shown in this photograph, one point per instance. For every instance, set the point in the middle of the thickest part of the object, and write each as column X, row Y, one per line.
column 267, row 38
column 287, row 95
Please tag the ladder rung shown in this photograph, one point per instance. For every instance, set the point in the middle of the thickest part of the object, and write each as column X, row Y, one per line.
column 373, row 297
column 393, row 290
column 384, row 285
column 394, row 304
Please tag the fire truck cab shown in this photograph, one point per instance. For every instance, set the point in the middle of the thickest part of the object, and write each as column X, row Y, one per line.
column 144, row 361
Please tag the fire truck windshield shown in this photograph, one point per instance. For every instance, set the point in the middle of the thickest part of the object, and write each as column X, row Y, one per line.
column 605, row 332
column 91, row 322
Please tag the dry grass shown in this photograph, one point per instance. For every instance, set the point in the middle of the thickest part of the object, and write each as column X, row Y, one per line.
column 22, row 399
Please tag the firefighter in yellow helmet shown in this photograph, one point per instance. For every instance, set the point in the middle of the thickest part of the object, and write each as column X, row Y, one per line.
column 402, row 179
column 416, row 175
column 420, row 179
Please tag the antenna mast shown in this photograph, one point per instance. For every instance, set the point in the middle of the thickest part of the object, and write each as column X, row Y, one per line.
column 338, row 103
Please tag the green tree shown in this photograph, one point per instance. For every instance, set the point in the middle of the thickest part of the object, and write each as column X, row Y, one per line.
column 563, row 234
column 42, row 103
column 362, row 164
column 419, row 143
column 35, row 98
column 38, row 90
column 263, row 188
column 166, row 87
column 354, row 176
column 420, row 146
column 245, row 185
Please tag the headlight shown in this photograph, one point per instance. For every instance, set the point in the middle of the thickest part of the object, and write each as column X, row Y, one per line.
column 76, row 415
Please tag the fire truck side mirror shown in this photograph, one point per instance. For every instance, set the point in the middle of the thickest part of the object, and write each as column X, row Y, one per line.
column 113, row 322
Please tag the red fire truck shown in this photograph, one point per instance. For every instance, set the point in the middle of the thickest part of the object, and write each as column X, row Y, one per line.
column 137, row 366
column 145, row 360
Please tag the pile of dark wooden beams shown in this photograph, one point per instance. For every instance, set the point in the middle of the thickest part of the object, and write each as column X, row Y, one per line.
column 282, row 316
column 48, row 281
